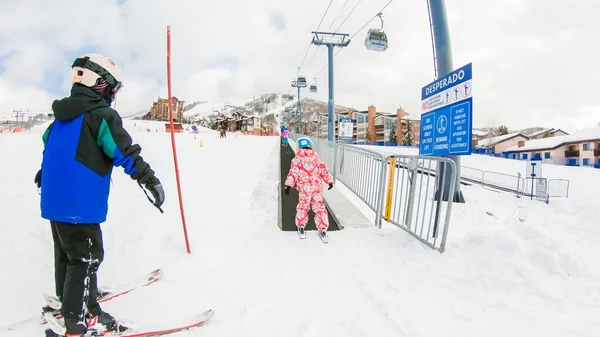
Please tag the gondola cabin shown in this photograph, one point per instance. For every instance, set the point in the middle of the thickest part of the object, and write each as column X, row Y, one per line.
column 376, row 40
column 301, row 81
column 313, row 88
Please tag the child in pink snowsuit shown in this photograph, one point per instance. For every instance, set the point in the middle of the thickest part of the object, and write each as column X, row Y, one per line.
column 308, row 173
column 285, row 135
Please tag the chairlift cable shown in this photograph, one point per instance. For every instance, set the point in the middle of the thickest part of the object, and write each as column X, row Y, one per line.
column 314, row 58
column 337, row 16
column 340, row 26
column 353, row 35
column 319, row 26
column 323, row 18
column 373, row 18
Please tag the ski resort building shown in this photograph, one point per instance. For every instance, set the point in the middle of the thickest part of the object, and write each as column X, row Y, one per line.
column 160, row 110
column 579, row 149
column 377, row 128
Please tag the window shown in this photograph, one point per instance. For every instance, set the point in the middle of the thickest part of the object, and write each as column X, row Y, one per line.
column 586, row 147
column 547, row 155
column 525, row 156
column 586, row 161
column 361, row 118
column 388, row 123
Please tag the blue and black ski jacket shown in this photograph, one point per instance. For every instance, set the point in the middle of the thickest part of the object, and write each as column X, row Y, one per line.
column 81, row 147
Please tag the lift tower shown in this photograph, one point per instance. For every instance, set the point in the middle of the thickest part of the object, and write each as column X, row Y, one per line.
column 330, row 40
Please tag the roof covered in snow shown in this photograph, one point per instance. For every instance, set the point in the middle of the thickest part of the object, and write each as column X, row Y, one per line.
column 554, row 142
column 489, row 142
column 481, row 132
column 539, row 132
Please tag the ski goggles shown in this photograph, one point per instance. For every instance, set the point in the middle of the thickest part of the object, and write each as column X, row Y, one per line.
column 101, row 71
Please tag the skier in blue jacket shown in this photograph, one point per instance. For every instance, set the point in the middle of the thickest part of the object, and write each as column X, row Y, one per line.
column 81, row 147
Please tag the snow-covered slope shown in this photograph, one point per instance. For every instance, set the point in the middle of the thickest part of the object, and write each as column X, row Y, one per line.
column 498, row 277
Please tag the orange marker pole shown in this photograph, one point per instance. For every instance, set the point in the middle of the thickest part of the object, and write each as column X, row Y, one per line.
column 187, row 243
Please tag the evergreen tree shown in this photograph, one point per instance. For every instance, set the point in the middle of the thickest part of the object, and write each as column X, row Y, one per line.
column 408, row 138
column 393, row 135
column 502, row 130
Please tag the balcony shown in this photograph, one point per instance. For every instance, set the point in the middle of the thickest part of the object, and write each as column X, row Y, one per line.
column 596, row 152
column 571, row 154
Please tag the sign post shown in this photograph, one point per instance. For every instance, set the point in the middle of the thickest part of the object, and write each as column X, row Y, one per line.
column 447, row 115
column 345, row 128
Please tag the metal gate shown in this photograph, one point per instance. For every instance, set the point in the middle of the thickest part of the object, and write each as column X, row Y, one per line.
column 412, row 198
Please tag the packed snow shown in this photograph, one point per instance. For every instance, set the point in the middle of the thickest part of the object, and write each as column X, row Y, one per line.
column 512, row 267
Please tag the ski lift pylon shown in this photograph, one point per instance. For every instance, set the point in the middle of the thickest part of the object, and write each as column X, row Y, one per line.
column 376, row 39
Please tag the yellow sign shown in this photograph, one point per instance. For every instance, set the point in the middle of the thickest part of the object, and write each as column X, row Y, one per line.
column 390, row 189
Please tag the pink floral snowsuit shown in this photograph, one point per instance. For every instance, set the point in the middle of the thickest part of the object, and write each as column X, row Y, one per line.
column 308, row 173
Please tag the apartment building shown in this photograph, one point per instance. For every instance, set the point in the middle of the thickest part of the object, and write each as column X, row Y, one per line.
column 375, row 127
column 579, row 149
column 160, row 110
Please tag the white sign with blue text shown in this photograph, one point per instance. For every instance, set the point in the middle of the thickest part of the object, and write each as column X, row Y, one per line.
column 447, row 115
column 345, row 128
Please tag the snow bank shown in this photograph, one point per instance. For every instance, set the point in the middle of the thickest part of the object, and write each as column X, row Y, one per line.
column 512, row 267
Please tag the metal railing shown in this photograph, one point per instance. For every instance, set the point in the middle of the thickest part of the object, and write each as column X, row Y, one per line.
column 470, row 173
column 544, row 189
column 411, row 184
column 558, row 188
column 412, row 200
column 363, row 172
column 360, row 170
column 518, row 184
column 403, row 189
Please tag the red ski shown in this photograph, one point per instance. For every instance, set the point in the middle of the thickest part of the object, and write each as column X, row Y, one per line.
column 153, row 277
column 105, row 295
column 189, row 323
column 157, row 330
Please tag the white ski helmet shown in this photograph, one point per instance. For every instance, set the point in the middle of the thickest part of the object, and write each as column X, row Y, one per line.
column 88, row 68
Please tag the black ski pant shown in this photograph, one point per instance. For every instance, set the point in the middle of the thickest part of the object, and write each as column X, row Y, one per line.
column 78, row 252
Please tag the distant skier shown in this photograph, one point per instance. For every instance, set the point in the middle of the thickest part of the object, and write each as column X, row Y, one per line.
column 285, row 136
column 80, row 149
column 308, row 173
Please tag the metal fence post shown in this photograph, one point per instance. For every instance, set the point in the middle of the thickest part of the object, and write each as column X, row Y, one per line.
column 379, row 212
column 413, row 165
column 453, row 177
column 335, row 158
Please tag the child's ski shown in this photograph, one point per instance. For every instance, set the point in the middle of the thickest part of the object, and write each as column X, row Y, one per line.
column 107, row 295
column 57, row 328
column 54, row 304
column 323, row 236
column 301, row 233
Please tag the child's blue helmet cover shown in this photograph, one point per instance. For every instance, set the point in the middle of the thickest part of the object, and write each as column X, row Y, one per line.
column 304, row 142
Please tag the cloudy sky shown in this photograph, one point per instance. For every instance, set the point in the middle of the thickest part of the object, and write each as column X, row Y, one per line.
column 535, row 62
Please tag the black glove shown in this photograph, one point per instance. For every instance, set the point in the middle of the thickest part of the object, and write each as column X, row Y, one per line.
column 287, row 190
column 330, row 186
column 154, row 186
column 38, row 178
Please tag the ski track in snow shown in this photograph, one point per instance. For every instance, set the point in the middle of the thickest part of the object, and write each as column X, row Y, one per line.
column 498, row 277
